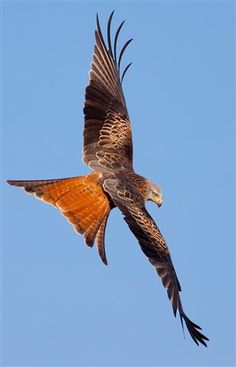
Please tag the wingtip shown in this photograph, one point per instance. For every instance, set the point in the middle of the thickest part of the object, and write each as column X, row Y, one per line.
column 193, row 330
column 109, row 33
column 116, row 39
column 97, row 21
column 110, row 18
column 125, row 71
column 122, row 51
column 105, row 262
column 111, row 15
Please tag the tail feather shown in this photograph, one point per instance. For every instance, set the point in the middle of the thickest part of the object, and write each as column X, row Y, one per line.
column 48, row 190
column 80, row 199
column 92, row 230
column 76, row 199
column 100, row 240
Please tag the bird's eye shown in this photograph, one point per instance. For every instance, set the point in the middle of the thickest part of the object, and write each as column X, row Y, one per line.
column 154, row 193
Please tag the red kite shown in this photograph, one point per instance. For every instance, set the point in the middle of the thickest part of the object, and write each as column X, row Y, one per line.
column 86, row 201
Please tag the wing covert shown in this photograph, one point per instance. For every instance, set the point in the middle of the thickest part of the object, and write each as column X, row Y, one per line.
column 107, row 130
column 153, row 245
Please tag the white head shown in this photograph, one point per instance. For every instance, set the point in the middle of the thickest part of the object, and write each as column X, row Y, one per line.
column 154, row 193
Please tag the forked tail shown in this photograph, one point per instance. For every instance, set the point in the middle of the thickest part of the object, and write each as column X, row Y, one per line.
column 80, row 199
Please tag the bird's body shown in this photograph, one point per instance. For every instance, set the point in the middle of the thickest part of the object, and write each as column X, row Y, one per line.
column 86, row 201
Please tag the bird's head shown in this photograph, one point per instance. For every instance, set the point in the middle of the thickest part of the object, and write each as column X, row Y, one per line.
column 154, row 193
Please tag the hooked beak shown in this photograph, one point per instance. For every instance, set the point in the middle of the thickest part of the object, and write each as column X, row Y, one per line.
column 158, row 201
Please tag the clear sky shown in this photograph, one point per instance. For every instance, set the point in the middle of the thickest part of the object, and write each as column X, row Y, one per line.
column 61, row 305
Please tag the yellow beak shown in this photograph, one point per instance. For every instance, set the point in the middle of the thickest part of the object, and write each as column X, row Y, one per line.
column 158, row 201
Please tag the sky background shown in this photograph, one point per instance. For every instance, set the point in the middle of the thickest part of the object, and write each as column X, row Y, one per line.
column 61, row 305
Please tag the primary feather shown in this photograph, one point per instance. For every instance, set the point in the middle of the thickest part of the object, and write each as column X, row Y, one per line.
column 108, row 150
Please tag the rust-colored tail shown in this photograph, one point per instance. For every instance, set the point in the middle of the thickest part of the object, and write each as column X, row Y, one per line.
column 80, row 199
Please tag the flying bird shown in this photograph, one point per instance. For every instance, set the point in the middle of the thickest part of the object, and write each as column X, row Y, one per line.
column 86, row 201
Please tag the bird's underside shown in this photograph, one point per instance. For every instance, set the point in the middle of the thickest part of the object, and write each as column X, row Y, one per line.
column 86, row 201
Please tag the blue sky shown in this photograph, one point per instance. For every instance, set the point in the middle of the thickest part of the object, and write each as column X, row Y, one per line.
column 61, row 305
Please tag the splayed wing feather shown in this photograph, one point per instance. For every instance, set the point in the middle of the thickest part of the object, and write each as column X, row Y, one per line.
column 107, row 130
column 116, row 39
column 122, row 52
column 152, row 244
column 86, row 201
column 125, row 71
column 109, row 34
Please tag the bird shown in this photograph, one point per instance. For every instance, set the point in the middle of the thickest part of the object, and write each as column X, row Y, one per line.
column 86, row 201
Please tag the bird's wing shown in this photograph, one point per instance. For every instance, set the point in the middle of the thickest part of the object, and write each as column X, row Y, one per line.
column 107, row 130
column 153, row 245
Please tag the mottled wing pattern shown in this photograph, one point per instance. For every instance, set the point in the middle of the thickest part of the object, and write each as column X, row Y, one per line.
column 107, row 130
column 80, row 199
column 152, row 244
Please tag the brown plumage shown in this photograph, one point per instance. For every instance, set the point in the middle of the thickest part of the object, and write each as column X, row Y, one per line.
column 107, row 131
column 86, row 201
column 80, row 199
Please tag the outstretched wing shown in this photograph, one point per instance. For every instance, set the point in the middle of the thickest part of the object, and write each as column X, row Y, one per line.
column 107, row 130
column 153, row 245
